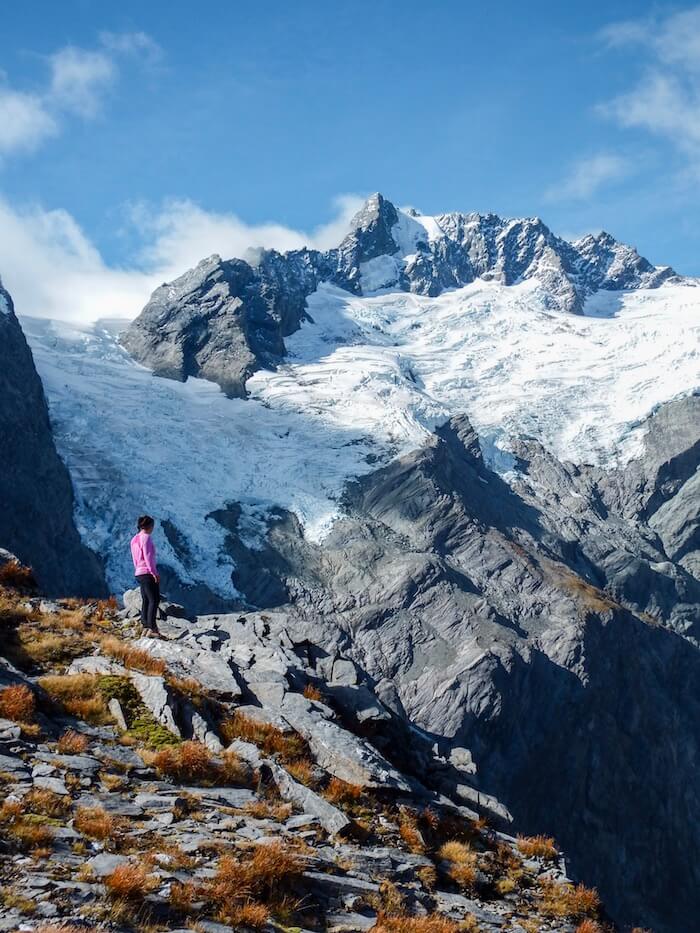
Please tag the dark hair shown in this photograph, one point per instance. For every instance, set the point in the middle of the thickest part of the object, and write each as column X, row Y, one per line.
column 145, row 521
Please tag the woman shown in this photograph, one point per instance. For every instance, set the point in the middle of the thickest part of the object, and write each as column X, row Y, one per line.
column 143, row 553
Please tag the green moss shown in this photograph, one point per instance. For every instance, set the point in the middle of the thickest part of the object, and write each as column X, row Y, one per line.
column 139, row 720
column 41, row 819
column 147, row 730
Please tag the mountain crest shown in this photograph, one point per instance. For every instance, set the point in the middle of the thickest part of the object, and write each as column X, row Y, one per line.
column 227, row 318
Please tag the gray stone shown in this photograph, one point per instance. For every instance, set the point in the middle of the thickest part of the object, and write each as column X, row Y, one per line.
column 228, row 796
column 84, row 763
column 157, row 698
column 344, row 672
column 349, row 923
column 147, row 801
column 53, row 784
column 12, row 764
column 269, row 693
column 117, row 713
column 333, row 820
column 96, row 664
column 339, row 884
column 340, row 752
column 104, row 864
column 185, row 658
column 9, row 729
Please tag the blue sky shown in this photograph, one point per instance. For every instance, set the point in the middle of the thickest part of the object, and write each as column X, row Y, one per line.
column 136, row 138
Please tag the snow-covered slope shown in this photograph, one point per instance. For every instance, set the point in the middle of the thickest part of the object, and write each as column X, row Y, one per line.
column 367, row 379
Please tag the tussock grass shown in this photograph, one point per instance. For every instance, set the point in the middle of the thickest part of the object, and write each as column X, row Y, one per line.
column 255, row 885
column 16, row 576
column 134, row 658
column 575, row 902
column 267, row 810
column 461, row 862
column 193, row 762
column 130, row 882
column 77, row 694
column 18, row 703
column 46, row 802
column 311, row 692
column 537, row 847
column 433, row 923
column 341, row 793
column 409, row 831
column 72, row 743
column 96, row 823
column 269, row 739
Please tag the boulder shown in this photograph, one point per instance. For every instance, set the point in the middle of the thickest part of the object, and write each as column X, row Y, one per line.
column 338, row 751
column 185, row 658
column 157, row 698
column 333, row 820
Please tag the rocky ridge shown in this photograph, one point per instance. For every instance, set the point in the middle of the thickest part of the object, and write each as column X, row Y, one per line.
column 36, row 518
column 235, row 776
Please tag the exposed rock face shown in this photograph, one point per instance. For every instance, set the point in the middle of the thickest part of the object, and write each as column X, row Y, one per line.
column 226, row 318
column 36, row 496
column 536, row 626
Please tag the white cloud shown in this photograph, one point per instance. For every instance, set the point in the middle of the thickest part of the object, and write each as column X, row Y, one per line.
column 77, row 82
column 53, row 270
column 587, row 175
column 666, row 100
column 79, row 79
column 24, row 122
column 132, row 43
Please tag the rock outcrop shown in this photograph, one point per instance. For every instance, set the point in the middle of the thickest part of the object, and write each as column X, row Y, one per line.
column 127, row 824
column 36, row 496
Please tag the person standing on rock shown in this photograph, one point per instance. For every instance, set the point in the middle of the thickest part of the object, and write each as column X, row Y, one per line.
column 143, row 553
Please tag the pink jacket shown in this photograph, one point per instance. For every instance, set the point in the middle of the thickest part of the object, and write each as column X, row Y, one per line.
column 143, row 553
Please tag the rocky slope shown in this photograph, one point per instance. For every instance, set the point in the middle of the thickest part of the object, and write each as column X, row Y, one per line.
column 538, row 626
column 233, row 776
column 36, row 518
column 225, row 319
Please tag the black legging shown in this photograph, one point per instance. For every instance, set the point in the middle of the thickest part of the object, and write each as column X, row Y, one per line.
column 150, row 598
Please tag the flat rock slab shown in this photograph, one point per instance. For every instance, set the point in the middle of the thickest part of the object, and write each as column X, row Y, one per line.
column 349, row 923
column 339, row 884
column 333, row 820
column 228, row 796
column 84, row 763
column 158, row 801
column 14, row 765
column 53, row 784
column 113, row 803
column 338, row 751
column 104, row 864
column 187, row 659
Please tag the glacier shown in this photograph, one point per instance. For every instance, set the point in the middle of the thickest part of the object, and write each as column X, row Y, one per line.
column 368, row 378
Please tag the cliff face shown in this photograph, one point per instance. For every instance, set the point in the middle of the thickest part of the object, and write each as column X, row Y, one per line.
column 546, row 626
column 36, row 517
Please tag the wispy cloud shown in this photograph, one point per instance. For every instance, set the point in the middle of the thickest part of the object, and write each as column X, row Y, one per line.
column 666, row 99
column 586, row 176
column 25, row 122
column 77, row 82
column 53, row 270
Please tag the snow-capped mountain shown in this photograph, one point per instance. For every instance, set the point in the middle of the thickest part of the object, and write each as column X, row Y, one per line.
column 225, row 319
column 469, row 450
